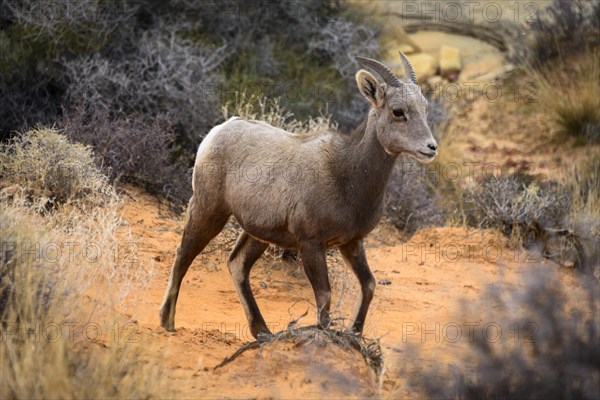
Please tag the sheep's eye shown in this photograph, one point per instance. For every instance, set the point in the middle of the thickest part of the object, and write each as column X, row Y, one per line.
column 399, row 113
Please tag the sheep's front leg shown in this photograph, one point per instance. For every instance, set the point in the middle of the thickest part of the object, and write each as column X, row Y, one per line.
column 354, row 255
column 315, row 267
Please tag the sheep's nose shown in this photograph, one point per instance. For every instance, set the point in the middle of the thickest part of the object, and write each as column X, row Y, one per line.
column 432, row 146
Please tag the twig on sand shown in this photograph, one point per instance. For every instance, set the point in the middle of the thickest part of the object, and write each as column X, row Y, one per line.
column 369, row 348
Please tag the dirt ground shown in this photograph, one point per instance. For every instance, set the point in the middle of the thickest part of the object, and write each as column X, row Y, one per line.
column 426, row 288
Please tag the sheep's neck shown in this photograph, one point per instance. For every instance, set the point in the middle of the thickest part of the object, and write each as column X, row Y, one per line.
column 366, row 167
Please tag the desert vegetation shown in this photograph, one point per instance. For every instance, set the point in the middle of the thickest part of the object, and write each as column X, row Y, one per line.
column 104, row 105
column 55, row 196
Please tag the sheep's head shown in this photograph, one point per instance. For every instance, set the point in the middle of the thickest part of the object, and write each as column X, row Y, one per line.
column 399, row 109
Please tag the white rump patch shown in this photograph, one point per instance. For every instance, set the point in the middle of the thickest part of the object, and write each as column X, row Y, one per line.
column 206, row 142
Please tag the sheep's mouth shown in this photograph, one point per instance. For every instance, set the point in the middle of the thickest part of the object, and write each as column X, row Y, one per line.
column 428, row 155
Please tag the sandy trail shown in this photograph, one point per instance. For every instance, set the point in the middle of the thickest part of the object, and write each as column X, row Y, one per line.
column 427, row 287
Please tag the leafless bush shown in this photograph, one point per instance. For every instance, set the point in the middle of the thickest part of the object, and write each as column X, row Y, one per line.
column 338, row 42
column 132, row 149
column 565, row 27
column 25, row 104
column 518, row 204
column 341, row 41
column 533, row 213
column 50, row 17
column 166, row 73
column 556, row 355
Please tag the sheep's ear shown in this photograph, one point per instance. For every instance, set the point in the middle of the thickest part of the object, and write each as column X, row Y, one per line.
column 369, row 87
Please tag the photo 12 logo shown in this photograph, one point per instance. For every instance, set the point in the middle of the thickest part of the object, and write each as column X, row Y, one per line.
column 50, row 332
column 454, row 332
column 469, row 11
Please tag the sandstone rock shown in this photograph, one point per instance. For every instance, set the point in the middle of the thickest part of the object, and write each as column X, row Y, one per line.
column 450, row 61
column 406, row 48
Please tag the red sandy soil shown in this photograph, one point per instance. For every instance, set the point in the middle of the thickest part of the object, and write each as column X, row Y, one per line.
column 438, row 277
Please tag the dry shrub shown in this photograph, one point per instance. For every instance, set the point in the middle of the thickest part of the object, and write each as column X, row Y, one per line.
column 517, row 204
column 165, row 73
column 556, row 355
column 413, row 200
column 584, row 218
column 565, row 27
column 261, row 108
column 46, row 352
column 54, row 183
column 133, row 149
column 532, row 213
column 569, row 94
column 60, row 270
column 48, row 168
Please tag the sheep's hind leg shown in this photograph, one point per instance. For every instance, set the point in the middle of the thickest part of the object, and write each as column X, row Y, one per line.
column 201, row 227
column 245, row 253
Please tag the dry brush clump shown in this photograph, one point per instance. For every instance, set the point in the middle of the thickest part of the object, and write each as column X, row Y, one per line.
column 270, row 110
column 50, row 181
column 531, row 212
column 564, row 28
column 584, row 218
column 47, row 351
column 45, row 167
column 553, row 350
column 61, row 270
column 568, row 92
column 133, row 149
column 558, row 218
column 413, row 199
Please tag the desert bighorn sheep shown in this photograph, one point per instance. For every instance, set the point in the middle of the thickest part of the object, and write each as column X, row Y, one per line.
column 338, row 206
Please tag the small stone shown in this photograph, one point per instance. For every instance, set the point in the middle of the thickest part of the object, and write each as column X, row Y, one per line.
column 450, row 61
column 385, row 282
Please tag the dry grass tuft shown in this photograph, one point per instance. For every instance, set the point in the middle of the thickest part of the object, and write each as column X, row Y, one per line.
column 49, row 349
column 569, row 93
column 268, row 110
column 62, row 274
